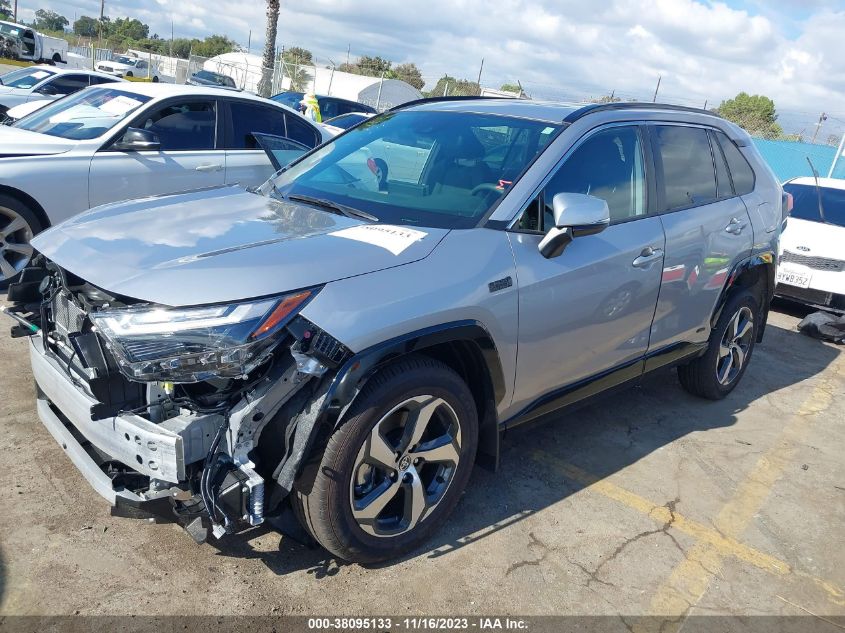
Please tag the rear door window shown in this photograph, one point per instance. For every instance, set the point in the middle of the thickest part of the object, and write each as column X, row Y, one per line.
column 689, row 176
column 741, row 172
column 723, row 177
column 301, row 132
column 253, row 117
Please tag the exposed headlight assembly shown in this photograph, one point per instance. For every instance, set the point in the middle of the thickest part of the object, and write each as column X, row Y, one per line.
column 194, row 344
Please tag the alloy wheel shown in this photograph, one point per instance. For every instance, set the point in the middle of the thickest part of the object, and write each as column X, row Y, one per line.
column 15, row 250
column 405, row 466
column 735, row 345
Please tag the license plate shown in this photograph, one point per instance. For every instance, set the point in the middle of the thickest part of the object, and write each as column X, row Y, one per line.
column 790, row 277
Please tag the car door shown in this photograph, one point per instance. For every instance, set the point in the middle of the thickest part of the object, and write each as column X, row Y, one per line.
column 246, row 162
column 707, row 227
column 187, row 128
column 587, row 312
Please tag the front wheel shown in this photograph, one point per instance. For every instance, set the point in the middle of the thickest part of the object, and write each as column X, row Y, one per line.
column 395, row 469
column 18, row 225
column 715, row 374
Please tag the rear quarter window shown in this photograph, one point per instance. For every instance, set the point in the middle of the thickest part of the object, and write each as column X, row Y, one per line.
column 741, row 172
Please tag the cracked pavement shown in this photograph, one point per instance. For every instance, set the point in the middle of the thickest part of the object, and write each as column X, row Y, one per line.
column 595, row 512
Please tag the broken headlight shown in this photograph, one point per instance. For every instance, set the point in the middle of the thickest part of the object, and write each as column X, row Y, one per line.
column 194, row 344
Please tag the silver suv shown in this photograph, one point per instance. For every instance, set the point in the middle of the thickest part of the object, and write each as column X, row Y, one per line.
column 349, row 339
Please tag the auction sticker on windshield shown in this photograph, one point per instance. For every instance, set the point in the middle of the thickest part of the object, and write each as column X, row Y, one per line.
column 396, row 239
column 120, row 105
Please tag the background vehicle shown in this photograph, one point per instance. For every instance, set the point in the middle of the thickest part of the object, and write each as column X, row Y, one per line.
column 36, row 83
column 330, row 107
column 812, row 261
column 342, row 122
column 120, row 141
column 363, row 339
column 128, row 66
column 22, row 42
column 208, row 78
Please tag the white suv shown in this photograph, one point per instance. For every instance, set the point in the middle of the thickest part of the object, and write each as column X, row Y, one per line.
column 812, row 261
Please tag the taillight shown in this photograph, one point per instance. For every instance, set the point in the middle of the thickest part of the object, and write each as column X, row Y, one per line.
column 788, row 203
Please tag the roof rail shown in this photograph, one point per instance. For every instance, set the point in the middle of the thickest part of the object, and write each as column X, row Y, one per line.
column 436, row 99
column 631, row 105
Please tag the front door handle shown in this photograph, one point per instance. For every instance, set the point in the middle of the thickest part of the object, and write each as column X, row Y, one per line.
column 648, row 255
column 735, row 226
column 216, row 167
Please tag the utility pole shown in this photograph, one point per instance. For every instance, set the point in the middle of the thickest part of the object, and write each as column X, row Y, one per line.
column 15, row 19
column 654, row 99
column 479, row 74
column 348, row 48
column 102, row 15
column 822, row 119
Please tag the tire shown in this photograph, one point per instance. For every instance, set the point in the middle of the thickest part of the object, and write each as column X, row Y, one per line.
column 155, row 79
column 129, row 74
column 715, row 374
column 376, row 455
column 57, row 59
column 15, row 251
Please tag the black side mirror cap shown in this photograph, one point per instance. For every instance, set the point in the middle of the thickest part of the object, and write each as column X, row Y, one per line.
column 138, row 140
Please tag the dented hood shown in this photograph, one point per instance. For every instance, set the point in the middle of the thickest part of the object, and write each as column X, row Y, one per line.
column 223, row 244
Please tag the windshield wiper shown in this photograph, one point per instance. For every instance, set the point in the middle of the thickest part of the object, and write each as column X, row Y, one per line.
column 334, row 207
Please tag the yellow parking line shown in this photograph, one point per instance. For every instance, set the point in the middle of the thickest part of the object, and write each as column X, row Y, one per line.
column 690, row 579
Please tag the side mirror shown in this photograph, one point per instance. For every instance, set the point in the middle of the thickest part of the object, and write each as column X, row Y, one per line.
column 48, row 91
column 137, row 140
column 576, row 215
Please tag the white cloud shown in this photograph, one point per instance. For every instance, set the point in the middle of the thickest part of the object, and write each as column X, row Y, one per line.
column 703, row 49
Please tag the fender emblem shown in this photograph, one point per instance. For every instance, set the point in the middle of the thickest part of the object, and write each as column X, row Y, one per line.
column 500, row 284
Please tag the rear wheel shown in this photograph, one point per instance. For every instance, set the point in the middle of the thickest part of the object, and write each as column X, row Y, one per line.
column 395, row 469
column 715, row 374
column 18, row 225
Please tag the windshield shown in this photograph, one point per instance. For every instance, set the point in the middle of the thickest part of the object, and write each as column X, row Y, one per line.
column 806, row 203
column 346, row 121
column 130, row 61
column 25, row 77
column 87, row 114
column 436, row 169
column 290, row 99
column 9, row 29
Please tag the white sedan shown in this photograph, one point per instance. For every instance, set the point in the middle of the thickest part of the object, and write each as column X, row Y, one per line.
column 128, row 66
column 35, row 83
column 123, row 141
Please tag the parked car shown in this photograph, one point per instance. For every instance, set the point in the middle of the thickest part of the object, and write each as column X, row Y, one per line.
column 343, row 122
column 330, row 107
column 128, row 66
column 120, row 141
column 353, row 347
column 812, row 261
column 208, row 78
column 18, row 41
column 38, row 83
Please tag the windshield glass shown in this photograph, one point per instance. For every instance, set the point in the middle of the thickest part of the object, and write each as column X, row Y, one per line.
column 131, row 61
column 437, row 169
column 10, row 29
column 290, row 99
column 806, row 203
column 25, row 77
column 84, row 115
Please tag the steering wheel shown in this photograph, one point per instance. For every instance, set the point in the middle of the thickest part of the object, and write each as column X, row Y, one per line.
column 485, row 187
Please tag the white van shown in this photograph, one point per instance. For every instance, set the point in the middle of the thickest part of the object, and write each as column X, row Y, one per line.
column 22, row 42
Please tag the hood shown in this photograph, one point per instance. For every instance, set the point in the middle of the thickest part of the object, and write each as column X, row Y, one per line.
column 18, row 142
column 223, row 244
column 20, row 111
column 813, row 239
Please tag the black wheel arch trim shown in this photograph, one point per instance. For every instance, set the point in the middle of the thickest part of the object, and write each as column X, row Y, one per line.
column 765, row 261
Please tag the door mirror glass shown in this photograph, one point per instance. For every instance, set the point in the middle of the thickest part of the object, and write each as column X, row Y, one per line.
column 137, row 140
column 575, row 215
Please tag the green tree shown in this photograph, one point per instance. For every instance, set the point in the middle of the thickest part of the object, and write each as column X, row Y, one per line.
column 755, row 113
column 128, row 29
column 408, row 73
column 47, row 20
column 606, row 99
column 454, row 87
column 214, row 45
column 298, row 56
column 86, row 26
column 5, row 9
column 510, row 88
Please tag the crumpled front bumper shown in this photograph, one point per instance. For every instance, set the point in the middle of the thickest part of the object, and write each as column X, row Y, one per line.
column 65, row 409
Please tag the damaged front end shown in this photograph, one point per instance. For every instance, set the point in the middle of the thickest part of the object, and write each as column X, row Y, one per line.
column 203, row 415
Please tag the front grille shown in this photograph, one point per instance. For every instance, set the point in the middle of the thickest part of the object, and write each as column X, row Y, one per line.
column 107, row 69
column 825, row 264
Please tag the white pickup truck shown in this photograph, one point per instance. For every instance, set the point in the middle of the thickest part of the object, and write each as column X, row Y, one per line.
column 21, row 42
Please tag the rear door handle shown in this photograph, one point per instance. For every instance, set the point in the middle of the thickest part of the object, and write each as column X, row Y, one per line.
column 648, row 255
column 216, row 167
column 735, row 226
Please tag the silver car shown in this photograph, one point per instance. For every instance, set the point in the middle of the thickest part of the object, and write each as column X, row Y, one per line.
column 346, row 341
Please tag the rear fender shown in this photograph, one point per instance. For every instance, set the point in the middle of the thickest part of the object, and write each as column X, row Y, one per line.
column 756, row 272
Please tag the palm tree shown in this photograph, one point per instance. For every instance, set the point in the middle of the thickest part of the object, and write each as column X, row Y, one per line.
column 268, row 60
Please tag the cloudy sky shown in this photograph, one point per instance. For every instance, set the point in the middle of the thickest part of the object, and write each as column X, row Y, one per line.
column 790, row 50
